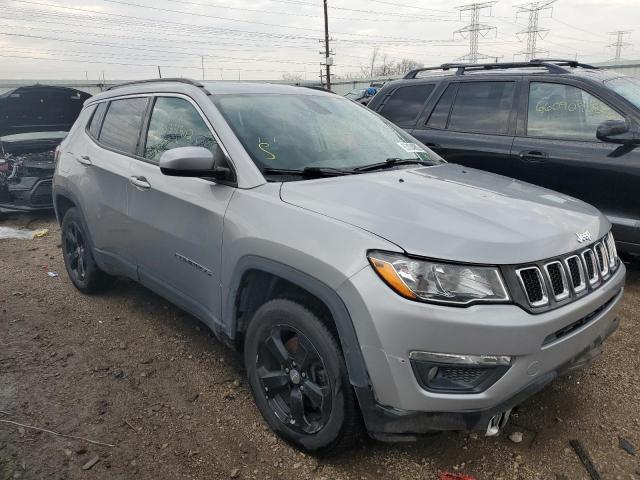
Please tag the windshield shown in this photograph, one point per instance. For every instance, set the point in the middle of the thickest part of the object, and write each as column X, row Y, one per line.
column 627, row 87
column 359, row 93
column 299, row 131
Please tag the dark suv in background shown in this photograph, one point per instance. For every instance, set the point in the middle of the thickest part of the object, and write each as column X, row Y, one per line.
column 560, row 124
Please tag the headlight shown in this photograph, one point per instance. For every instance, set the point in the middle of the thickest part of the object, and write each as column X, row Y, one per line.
column 439, row 282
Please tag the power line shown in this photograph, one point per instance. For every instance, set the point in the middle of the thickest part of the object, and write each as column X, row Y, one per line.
column 533, row 31
column 620, row 43
column 151, row 65
column 474, row 30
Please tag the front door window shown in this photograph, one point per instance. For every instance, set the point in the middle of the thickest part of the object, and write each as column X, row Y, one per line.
column 565, row 112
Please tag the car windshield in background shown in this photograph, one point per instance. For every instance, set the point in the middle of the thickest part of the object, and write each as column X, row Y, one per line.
column 358, row 93
column 294, row 132
column 627, row 87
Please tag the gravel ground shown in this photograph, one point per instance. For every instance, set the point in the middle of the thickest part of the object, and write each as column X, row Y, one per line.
column 126, row 368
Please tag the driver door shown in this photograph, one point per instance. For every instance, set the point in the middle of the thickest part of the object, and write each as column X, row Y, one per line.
column 557, row 148
column 177, row 222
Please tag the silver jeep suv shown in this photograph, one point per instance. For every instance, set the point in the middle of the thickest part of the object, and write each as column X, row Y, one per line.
column 366, row 281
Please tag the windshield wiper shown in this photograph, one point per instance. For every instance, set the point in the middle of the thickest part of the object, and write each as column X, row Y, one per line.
column 308, row 171
column 392, row 162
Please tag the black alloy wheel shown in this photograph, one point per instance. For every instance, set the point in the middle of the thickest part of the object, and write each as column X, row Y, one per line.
column 78, row 257
column 299, row 379
column 294, row 379
column 75, row 250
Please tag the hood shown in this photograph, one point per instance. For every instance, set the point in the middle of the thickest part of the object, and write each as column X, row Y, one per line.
column 39, row 108
column 32, row 142
column 451, row 212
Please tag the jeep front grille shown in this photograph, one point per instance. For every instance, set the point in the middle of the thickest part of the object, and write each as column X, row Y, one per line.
column 603, row 259
column 576, row 273
column 589, row 259
column 613, row 252
column 533, row 285
column 559, row 280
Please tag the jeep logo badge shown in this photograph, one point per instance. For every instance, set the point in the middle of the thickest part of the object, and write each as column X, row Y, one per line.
column 584, row 236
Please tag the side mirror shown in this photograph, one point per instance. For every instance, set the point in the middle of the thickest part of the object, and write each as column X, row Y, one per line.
column 616, row 131
column 195, row 162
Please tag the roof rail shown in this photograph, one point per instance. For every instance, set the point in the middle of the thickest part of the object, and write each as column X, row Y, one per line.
column 157, row 80
column 552, row 65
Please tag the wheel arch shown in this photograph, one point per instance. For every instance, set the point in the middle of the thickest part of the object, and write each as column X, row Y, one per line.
column 257, row 280
column 63, row 200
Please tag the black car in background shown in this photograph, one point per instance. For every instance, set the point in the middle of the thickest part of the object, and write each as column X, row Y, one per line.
column 560, row 124
column 33, row 122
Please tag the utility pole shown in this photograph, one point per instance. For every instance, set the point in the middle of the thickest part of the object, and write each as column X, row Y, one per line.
column 533, row 31
column 619, row 42
column 328, row 61
column 474, row 30
column 202, row 64
column 159, row 72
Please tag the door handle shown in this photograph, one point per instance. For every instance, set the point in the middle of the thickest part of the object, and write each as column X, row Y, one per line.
column 140, row 183
column 84, row 160
column 533, row 156
column 432, row 145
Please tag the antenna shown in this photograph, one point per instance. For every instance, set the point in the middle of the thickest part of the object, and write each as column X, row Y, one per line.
column 533, row 31
column 474, row 30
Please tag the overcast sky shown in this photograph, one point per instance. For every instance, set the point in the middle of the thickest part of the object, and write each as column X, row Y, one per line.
column 128, row 39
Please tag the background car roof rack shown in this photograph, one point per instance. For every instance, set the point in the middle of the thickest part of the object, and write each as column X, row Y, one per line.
column 157, row 80
column 552, row 65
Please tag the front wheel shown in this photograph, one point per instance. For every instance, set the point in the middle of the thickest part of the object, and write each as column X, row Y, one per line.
column 298, row 378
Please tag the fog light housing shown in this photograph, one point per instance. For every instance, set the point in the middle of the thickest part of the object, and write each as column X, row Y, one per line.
column 452, row 373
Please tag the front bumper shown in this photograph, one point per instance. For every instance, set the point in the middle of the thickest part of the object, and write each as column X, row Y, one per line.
column 30, row 194
column 390, row 327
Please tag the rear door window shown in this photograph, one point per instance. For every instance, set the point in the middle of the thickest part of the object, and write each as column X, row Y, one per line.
column 483, row 107
column 565, row 112
column 122, row 123
column 176, row 123
column 406, row 103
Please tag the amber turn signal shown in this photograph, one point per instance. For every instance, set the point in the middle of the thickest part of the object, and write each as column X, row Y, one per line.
column 390, row 276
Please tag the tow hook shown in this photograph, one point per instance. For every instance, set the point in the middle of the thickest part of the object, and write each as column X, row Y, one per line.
column 497, row 423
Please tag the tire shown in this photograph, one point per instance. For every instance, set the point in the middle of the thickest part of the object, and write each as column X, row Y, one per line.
column 321, row 416
column 78, row 257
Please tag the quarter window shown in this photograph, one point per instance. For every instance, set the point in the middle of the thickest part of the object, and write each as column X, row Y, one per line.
column 176, row 123
column 96, row 119
column 565, row 112
column 440, row 114
column 405, row 103
column 122, row 123
column 483, row 107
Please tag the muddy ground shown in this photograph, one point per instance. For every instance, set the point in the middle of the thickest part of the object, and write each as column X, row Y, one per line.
column 126, row 368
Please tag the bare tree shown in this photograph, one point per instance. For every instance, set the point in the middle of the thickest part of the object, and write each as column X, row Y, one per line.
column 369, row 70
column 292, row 77
column 405, row 65
column 387, row 67
column 382, row 66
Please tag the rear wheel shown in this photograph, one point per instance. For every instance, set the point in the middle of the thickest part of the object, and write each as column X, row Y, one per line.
column 78, row 258
column 298, row 378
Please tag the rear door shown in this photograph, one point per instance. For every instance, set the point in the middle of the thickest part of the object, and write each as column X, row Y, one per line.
column 105, row 160
column 473, row 124
column 177, row 222
column 556, row 147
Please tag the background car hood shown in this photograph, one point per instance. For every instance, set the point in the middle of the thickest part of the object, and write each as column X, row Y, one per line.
column 39, row 108
column 454, row 213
